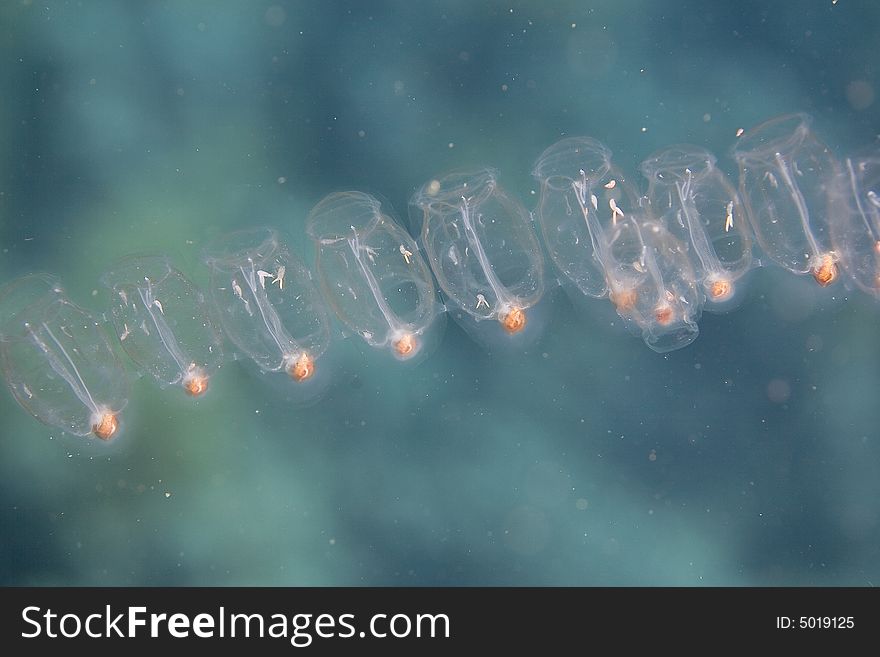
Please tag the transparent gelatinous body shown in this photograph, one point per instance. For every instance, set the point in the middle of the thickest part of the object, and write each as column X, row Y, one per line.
column 785, row 181
column 57, row 361
column 582, row 193
column 372, row 274
column 697, row 203
column 651, row 281
column 481, row 247
column 621, row 250
column 855, row 230
column 267, row 303
column 591, row 214
column 162, row 321
column 669, row 301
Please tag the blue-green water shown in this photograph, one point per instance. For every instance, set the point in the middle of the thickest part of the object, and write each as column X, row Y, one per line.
column 750, row 457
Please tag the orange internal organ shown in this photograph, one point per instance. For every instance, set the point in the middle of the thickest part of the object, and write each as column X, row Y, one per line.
column 406, row 346
column 664, row 315
column 514, row 321
column 302, row 368
column 106, row 426
column 196, row 385
column 825, row 272
column 720, row 289
column 624, row 300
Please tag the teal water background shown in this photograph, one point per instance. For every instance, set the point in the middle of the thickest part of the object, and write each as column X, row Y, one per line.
column 748, row 458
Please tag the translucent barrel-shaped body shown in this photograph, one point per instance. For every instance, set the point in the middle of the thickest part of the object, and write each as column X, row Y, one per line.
column 266, row 302
column 57, row 361
column 669, row 301
column 855, row 230
column 651, row 282
column 785, row 181
column 481, row 247
column 372, row 274
column 162, row 321
column 582, row 192
column 699, row 205
column 621, row 250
